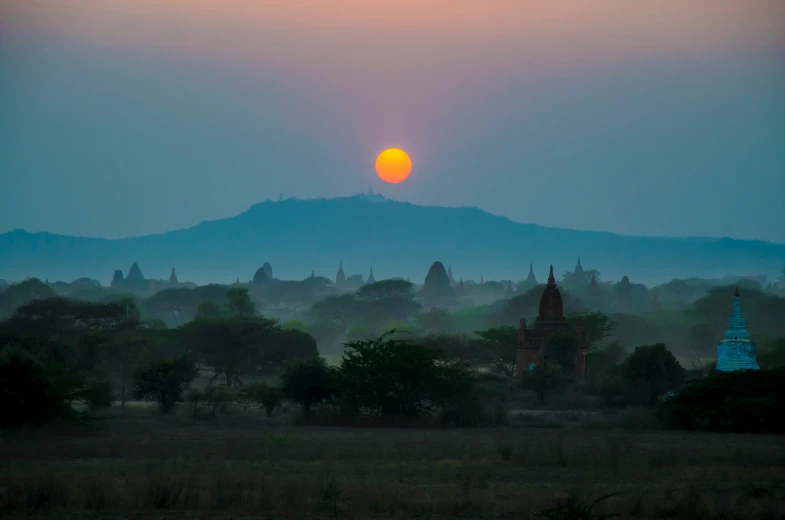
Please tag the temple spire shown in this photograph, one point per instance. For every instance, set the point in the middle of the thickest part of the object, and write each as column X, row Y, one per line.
column 551, row 279
column 737, row 326
column 531, row 280
column 578, row 267
column 737, row 350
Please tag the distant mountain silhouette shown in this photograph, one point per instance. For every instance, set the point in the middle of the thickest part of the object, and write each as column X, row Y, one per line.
column 396, row 238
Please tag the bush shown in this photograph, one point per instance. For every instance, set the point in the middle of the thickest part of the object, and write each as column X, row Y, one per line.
column 164, row 382
column 743, row 401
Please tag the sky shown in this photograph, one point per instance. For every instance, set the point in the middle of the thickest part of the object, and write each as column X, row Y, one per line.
column 132, row 117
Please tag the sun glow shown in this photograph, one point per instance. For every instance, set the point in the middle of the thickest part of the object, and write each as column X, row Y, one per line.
column 393, row 165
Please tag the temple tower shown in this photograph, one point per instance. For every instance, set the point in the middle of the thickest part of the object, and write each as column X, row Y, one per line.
column 134, row 273
column 460, row 289
column 593, row 284
column 173, row 279
column 531, row 280
column 268, row 270
column 550, row 321
column 371, row 279
column 449, row 275
column 340, row 277
column 736, row 351
column 578, row 267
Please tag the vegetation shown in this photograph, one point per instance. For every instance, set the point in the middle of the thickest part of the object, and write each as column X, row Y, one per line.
column 164, row 382
column 745, row 401
column 374, row 357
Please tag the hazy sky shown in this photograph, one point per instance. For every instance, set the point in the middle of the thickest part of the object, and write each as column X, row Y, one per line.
column 129, row 117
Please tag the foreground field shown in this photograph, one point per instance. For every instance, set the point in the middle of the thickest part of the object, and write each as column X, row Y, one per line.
column 140, row 464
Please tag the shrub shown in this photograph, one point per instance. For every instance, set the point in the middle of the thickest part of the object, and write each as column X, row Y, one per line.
column 743, row 401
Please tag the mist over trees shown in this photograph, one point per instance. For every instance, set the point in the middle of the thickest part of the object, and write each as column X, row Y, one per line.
column 141, row 339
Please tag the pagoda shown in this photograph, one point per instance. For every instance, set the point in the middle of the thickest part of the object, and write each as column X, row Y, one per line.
column 578, row 267
column 550, row 321
column 593, row 283
column 531, row 280
column 449, row 275
column 371, row 279
column 173, row 279
column 340, row 276
column 736, row 351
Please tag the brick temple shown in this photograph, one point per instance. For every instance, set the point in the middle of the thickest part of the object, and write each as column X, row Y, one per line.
column 531, row 341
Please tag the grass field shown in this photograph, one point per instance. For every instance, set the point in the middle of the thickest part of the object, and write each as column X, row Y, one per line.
column 142, row 465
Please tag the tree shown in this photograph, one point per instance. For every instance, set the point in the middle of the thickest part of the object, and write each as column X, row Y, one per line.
column 231, row 346
column 387, row 377
column 651, row 371
column 240, row 302
column 307, row 382
column 338, row 310
column 241, row 345
column 433, row 320
column 456, row 347
column 386, row 289
column 32, row 394
column 264, row 395
column 208, row 310
column 562, row 350
column 597, row 326
column 501, row 343
column 18, row 294
column 68, row 332
column 543, row 378
column 164, row 381
column 123, row 352
column 175, row 305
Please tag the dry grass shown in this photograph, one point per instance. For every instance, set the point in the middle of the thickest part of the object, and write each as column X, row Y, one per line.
column 144, row 465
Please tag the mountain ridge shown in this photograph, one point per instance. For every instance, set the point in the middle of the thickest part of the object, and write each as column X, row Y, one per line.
column 397, row 238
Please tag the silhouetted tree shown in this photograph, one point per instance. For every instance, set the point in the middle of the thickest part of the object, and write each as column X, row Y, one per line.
column 164, row 381
column 307, row 382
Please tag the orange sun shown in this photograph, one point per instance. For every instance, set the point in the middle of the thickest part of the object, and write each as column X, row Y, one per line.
column 393, row 165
